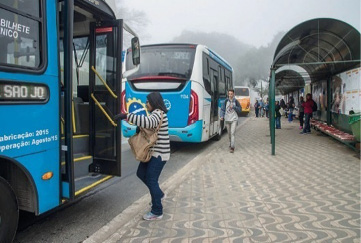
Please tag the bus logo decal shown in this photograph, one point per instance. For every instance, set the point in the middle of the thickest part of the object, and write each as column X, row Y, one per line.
column 136, row 106
column 167, row 104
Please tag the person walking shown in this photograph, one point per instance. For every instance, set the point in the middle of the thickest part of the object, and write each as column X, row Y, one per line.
column 256, row 108
column 283, row 104
column 266, row 107
column 278, row 115
column 291, row 106
column 150, row 171
column 301, row 112
column 229, row 111
column 261, row 108
column 307, row 105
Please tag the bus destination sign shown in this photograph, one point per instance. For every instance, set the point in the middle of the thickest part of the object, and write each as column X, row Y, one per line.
column 22, row 92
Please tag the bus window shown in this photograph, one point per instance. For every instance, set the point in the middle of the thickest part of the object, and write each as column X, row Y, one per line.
column 222, row 84
column 206, row 81
column 32, row 7
column 163, row 61
column 241, row 91
column 20, row 34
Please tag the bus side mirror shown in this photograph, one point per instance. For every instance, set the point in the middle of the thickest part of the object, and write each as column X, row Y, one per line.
column 135, row 51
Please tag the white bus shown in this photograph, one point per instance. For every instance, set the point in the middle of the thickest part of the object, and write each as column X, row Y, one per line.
column 193, row 81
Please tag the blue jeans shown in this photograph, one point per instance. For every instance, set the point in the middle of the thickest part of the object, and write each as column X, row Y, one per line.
column 290, row 115
column 149, row 173
column 278, row 122
column 307, row 126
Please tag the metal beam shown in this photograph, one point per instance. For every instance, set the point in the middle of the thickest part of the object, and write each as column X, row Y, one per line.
column 329, row 101
column 316, row 63
column 272, row 109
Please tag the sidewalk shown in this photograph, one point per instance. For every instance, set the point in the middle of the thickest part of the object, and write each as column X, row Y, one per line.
column 308, row 192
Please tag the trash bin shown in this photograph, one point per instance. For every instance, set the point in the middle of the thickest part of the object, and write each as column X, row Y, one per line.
column 354, row 121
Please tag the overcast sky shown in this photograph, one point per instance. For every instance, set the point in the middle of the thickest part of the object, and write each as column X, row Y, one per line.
column 253, row 22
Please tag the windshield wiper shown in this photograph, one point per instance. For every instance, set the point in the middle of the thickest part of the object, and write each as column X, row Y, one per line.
column 172, row 74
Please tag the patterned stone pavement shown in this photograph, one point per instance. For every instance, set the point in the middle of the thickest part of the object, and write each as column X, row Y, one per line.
column 308, row 192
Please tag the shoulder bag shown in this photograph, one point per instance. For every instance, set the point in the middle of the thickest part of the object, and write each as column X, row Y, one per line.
column 141, row 142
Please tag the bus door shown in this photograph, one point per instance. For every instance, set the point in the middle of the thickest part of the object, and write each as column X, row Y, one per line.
column 214, row 103
column 105, row 91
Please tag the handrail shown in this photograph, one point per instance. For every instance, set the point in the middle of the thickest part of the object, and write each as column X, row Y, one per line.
column 105, row 84
column 102, row 109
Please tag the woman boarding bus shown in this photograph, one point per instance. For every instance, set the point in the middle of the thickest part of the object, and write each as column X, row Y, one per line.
column 192, row 80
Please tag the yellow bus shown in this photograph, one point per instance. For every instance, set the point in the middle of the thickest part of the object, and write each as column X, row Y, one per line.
column 244, row 98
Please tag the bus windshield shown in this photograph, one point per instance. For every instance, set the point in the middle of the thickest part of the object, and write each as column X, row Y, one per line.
column 175, row 61
column 241, row 91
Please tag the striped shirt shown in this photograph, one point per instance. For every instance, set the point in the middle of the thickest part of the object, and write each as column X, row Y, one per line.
column 162, row 146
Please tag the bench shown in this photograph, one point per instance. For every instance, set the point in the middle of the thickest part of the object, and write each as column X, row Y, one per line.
column 346, row 138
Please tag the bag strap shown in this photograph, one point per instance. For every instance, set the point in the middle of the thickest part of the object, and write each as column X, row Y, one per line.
column 160, row 123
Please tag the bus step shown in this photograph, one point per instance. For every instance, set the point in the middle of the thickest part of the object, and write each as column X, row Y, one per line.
column 80, row 144
column 81, row 165
column 86, row 183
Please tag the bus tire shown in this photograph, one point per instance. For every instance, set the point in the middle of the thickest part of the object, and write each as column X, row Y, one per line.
column 9, row 212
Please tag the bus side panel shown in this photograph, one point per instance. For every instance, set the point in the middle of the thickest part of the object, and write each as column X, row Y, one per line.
column 32, row 137
column 48, row 190
column 31, row 134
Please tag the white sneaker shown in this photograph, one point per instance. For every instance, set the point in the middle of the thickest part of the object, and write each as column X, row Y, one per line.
column 151, row 216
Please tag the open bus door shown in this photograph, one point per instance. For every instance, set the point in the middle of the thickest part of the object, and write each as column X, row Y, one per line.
column 105, row 71
column 214, row 103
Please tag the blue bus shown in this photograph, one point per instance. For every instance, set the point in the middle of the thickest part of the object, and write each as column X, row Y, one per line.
column 60, row 87
column 193, row 81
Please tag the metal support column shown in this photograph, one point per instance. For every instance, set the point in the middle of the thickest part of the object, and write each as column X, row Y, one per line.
column 269, row 110
column 68, row 95
column 272, row 109
column 329, row 101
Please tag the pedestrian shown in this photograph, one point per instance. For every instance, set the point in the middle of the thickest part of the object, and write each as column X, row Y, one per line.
column 261, row 108
column 150, row 171
column 307, row 105
column 278, row 115
column 291, row 106
column 283, row 104
column 256, row 108
column 229, row 111
column 266, row 108
column 301, row 112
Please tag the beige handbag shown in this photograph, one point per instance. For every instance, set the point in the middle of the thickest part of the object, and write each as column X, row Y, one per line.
column 141, row 142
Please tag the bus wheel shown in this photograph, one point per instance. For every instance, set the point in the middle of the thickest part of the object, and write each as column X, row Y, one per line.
column 9, row 212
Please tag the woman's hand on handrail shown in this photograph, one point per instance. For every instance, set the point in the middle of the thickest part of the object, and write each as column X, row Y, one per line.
column 120, row 116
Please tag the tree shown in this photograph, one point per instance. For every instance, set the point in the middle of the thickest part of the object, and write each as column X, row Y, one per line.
column 135, row 19
column 255, row 64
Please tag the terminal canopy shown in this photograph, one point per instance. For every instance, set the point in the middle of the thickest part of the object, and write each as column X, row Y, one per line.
column 315, row 50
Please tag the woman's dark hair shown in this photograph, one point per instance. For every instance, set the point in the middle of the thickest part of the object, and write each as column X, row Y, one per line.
column 155, row 99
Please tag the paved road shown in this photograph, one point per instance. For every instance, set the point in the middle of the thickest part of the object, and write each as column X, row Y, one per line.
column 75, row 222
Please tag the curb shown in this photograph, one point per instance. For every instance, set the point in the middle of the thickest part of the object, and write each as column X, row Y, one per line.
column 118, row 226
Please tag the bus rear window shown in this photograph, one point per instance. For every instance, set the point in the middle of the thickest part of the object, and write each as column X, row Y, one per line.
column 241, row 91
column 158, row 86
column 164, row 60
column 20, row 35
